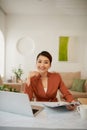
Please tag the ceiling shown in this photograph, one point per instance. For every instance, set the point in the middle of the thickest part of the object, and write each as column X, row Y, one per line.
column 44, row 7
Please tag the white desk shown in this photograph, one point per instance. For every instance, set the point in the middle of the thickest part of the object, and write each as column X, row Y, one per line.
column 47, row 120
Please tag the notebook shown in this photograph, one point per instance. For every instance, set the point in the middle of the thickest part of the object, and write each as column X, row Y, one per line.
column 18, row 103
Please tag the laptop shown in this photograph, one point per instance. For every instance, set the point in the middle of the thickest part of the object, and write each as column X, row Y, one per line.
column 18, row 103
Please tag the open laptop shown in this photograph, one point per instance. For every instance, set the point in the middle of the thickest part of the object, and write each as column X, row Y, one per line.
column 18, row 103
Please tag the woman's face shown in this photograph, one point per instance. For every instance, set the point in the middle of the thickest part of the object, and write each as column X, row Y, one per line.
column 43, row 64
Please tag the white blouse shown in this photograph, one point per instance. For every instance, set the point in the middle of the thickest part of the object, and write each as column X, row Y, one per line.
column 45, row 89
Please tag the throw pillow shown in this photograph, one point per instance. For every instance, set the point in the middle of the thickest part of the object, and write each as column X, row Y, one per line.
column 78, row 85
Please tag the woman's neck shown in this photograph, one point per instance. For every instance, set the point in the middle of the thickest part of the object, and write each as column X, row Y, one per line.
column 43, row 75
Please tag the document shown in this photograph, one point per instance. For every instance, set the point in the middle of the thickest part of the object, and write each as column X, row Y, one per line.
column 60, row 104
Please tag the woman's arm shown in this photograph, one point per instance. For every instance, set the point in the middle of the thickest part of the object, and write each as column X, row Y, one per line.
column 31, row 74
column 67, row 95
column 28, row 85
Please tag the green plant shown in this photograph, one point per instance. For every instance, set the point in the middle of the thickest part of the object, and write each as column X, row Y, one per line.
column 18, row 72
column 7, row 88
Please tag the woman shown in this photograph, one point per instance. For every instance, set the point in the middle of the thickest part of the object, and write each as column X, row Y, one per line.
column 44, row 84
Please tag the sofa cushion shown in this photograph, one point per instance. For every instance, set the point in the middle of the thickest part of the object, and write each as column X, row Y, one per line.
column 85, row 86
column 78, row 85
column 68, row 77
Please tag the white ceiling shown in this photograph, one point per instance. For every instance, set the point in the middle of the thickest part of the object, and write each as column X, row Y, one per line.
column 44, row 7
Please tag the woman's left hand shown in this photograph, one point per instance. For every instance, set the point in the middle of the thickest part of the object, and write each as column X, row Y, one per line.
column 71, row 107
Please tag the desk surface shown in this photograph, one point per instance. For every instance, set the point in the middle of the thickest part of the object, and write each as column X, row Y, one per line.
column 12, row 83
column 57, row 119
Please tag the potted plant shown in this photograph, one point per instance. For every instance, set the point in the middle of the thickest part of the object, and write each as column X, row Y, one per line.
column 18, row 73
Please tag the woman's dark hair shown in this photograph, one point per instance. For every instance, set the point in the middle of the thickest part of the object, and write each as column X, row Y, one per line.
column 46, row 54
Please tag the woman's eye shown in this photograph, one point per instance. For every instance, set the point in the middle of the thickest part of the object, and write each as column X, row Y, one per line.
column 46, row 62
column 39, row 61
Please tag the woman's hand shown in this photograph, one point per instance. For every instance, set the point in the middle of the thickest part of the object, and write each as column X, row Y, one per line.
column 71, row 107
column 31, row 74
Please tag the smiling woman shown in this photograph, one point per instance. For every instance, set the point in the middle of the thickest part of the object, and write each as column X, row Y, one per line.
column 1, row 54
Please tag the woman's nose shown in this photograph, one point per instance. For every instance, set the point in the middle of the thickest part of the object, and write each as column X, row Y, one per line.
column 42, row 64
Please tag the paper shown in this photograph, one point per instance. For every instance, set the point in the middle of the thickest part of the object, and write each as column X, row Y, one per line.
column 58, row 104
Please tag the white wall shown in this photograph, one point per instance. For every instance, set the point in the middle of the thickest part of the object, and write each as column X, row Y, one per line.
column 2, row 42
column 2, row 22
column 45, row 31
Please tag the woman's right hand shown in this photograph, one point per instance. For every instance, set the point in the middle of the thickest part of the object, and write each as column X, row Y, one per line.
column 31, row 74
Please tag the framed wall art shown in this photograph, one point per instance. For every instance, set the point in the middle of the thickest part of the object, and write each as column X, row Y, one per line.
column 68, row 47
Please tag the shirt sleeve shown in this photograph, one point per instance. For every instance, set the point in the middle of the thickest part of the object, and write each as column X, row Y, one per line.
column 65, row 92
column 28, row 90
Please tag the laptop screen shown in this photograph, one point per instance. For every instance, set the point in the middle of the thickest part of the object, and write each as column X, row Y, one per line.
column 18, row 103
